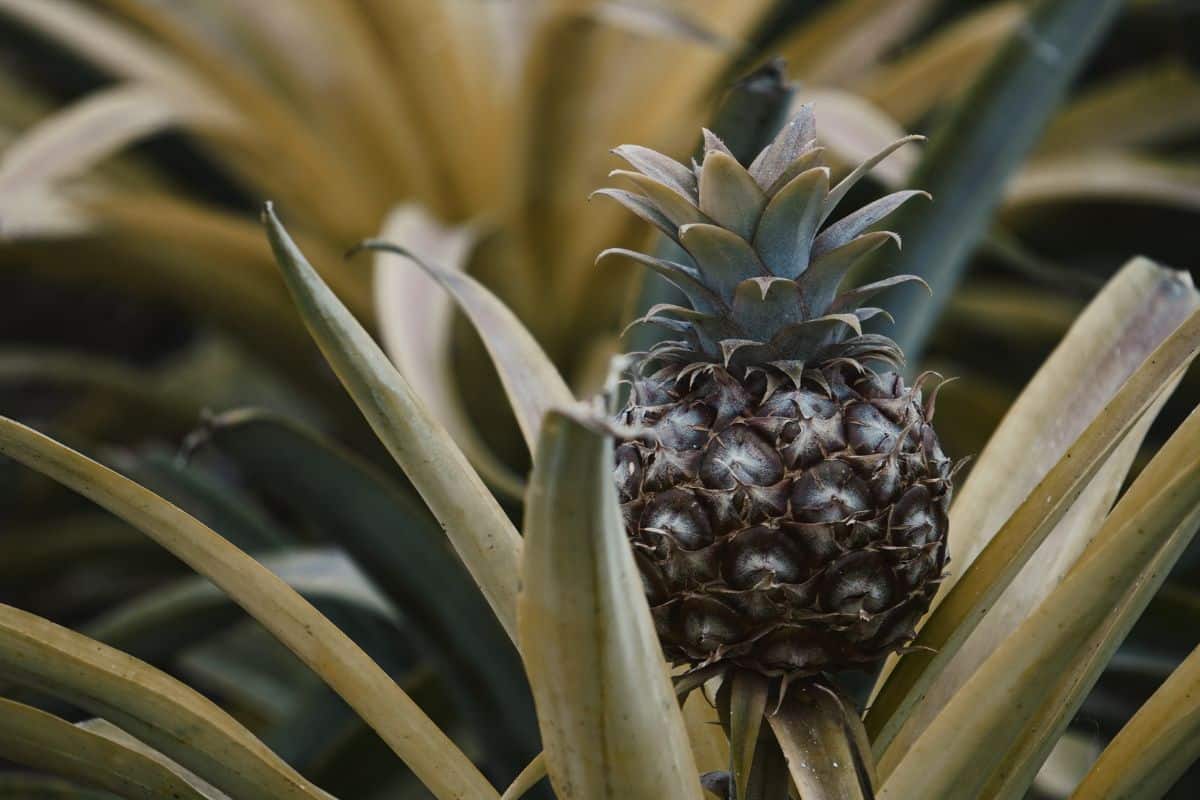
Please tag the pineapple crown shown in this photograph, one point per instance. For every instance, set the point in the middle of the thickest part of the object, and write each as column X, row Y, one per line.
column 756, row 261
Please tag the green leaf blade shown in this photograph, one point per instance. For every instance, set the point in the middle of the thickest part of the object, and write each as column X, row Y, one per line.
column 477, row 526
column 971, row 156
column 611, row 725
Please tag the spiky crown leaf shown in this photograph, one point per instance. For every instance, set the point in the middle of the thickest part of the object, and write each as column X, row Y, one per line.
column 760, row 268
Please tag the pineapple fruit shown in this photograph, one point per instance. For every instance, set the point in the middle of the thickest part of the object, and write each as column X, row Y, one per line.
column 784, row 492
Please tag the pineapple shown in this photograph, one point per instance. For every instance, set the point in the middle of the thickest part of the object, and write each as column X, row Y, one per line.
column 784, row 490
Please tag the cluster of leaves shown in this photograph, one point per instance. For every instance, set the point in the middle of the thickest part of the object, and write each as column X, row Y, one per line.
column 341, row 114
column 965, row 717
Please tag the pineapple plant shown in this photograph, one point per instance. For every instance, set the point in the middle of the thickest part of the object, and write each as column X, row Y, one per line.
column 786, row 494
column 713, row 412
column 569, row 589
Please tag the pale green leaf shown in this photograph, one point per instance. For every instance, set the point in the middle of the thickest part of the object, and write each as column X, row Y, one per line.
column 150, row 704
column 530, row 379
column 611, row 725
column 821, row 738
column 728, row 195
column 476, row 525
column 415, row 318
column 949, row 625
column 311, row 636
column 1134, row 313
column 42, row 741
column 1155, row 747
column 995, row 733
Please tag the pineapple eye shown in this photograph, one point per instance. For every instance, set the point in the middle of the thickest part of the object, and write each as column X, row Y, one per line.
column 858, row 583
column 739, row 456
column 761, row 556
column 675, row 515
column 829, row 492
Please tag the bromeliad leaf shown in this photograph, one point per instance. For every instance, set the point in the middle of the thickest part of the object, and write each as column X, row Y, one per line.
column 747, row 704
column 956, row 618
column 477, row 526
column 42, row 741
column 398, row 543
column 530, row 379
column 1131, row 316
column 992, row 737
column 311, row 636
column 1155, row 747
column 611, row 725
column 415, row 318
column 824, row 744
column 155, row 707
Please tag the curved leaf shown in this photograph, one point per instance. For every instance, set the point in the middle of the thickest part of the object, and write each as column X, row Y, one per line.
column 36, row 739
column 611, row 725
column 530, row 379
column 415, row 318
column 995, row 733
column 153, row 706
column 398, row 543
column 951, row 622
column 312, row 637
column 476, row 525
column 1155, row 747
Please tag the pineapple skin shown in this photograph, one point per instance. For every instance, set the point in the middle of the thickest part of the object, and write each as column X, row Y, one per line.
column 802, row 534
column 784, row 492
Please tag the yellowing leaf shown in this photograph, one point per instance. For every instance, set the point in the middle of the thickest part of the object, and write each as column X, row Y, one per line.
column 475, row 523
column 414, row 322
column 940, row 68
column 39, row 740
column 1155, row 747
column 312, row 637
column 530, row 379
column 949, row 625
column 158, row 709
column 1135, row 312
column 611, row 725
column 995, row 733
column 1111, row 176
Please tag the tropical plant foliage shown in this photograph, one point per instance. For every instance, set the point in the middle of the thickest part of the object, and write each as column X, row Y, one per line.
column 407, row 619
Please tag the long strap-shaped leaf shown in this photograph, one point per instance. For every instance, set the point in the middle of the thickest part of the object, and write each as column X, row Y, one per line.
column 981, row 143
column 36, row 739
column 399, row 544
column 747, row 705
column 313, row 638
column 823, row 740
column 1155, row 747
column 159, row 710
column 1135, row 312
column 992, row 737
column 953, row 621
column 611, row 726
column 477, row 526
column 530, row 379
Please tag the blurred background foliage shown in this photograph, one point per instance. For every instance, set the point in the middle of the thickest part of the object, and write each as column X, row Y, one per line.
column 141, row 309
